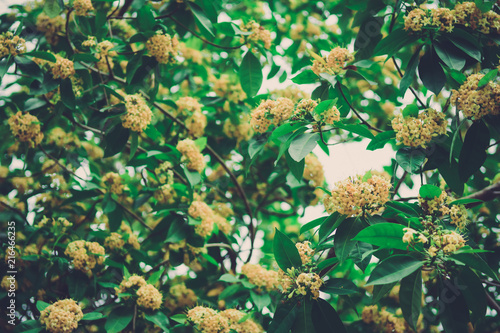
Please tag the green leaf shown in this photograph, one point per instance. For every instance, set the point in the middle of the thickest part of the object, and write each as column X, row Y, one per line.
column 180, row 318
column 429, row 191
column 250, row 74
column 380, row 290
column 134, row 144
column 155, row 277
column 77, row 285
column 474, row 294
column 411, row 160
column 430, row 72
column 284, row 317
column 146, row 18
column 394, row 269
column 381, row 140
column 473, row 260
column 296, row 168
column 325, row 318
column 303, row 322
column 321, row 92
column 176, row 232
column 260, row 300
column 410, row 297
column 465, row 44
column 410, row 111
column 487, row 78
column 325, row 105
column 285, row 252
column 67, row 94
column 384, row 235
column 51, row 8
column 339, row 286
column 29, row 326
column 118, row 319
column 465, row 201
column 302, row 145
column 115, row 140
column 410, row 72
column 92, row 316
column 358, row 129
column 327, row 262
column 41, row 305
column 313, row 224
column 473, row 153
column 85, row 57
column 343, row 239
column 329, row 225
column 159, row 319
column 391, row 44
column 201, row 19
column 305, row 77
column 451, row 56
column 193, row 177
column 41, row 55
column 229, row 278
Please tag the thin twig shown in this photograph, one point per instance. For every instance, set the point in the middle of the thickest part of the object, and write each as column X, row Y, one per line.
column 364, row 122
column 492, row 303
column 411, row 88
column 400, row 182
column 15, row 210
column 60, row 164
column 134, row 215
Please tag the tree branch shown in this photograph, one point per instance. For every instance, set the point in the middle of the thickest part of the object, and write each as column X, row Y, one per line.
column 487, row 194
column 364, row 122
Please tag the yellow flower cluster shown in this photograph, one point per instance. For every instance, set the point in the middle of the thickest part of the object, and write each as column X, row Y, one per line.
column 476, row 103
column 191, row 155
column 305, row 107
column 59, row 222
column 123, row 29
column 138, row 115
column 62, row 316
column 419, row 131
column 190, row 54
column 190, row 109
column 305, row 251
column 271, row 112
column 308, row 282
column 228, row 88
column 408, row 237
column 328, row 117
column 114, row 241
column 458, row 215
column 163, row 47
column 441, row 205
column 200, row 210
column 258, row 34
column 383, row 320
column 334, row 63
column 104, row 51
column 85, row 255
column 91, row 41
column 22, row 184
column 52, row 27
column 242, row 131
column 132, row 238
column 7, row 282
column 165, row 193
column 180, row 297
column 93, row 151
column 63, row 68
column 82, row 7
column 113, row 182
column 313, row 171
column 207, row 320
column 26, row 128
column 446, row 241
column 148, row 296
column 10, row 44
column 354, row 196
column 223, row 224
column 62, row 139
column 466, row 14
column 260, row 276
column 292, row 92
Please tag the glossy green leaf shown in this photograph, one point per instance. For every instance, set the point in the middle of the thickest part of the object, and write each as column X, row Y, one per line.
column 250, row 74
column 487, row 78
column 285, row 252
column 115, row 140
column 313, row 224
column 303, row 322
column 411, row 160
column 473, row 153
column 339, row 286
column 385, row 235
column 410, row 72
column 344, row 237
column 474, row 294
column 465, row 201
column 67, row 94
column 92, row 316
column 284, row 317
column 394, row 269
column 450, row 55
column 41, row 55
column 201, row 19
column 474, row 261
column 430, row 72
column 51, row 8
column 41, row 305
column 260, row 300
column 381, row 140
column 429, row 191
column 410, row 297
column 325, row 318
column 305, row 77
column 358, row 129
column 118, row 319
column 146, row 18
column 302, row 145
column 159, row 319
column 380, row 290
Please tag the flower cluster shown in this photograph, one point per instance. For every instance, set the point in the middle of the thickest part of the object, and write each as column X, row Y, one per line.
column 10, row 44
column 305, row 251
column 163, row 47
column 63, row 68
column 242, row 131
column 62, row 139
column 52, row 27
column 271, row 112
column 85, row 255
column 258, row 34
column 308, row 282
column 207, row 320
column 334, row 63
column 441, row 206
column 62, row 316
column 132, row 238
column 313, row 171
column 148, row 296
column 329, row 116
column 229, row 88
column 26, row 128
column 165, row 192
column 466, row 14
column 138, row 115
column 200, row 210
column 113, row 182
column 103, row 51
column 190, row 54
column 383, row 320
column 476, row 103
column 82, row 7
column 190, row 109
column 304, row 108
column 419, row 131
column 191, row 155
column 260, row 276
column 354, row 196
column 60, row 222
column 180, row 297
column 114, row 241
